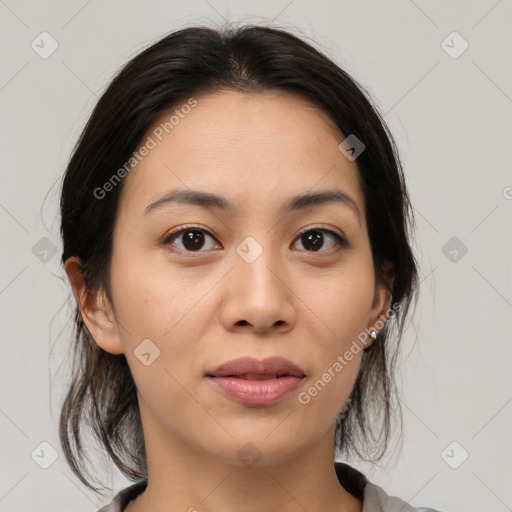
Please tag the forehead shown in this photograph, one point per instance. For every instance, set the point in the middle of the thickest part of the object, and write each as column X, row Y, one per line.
column 249, row 147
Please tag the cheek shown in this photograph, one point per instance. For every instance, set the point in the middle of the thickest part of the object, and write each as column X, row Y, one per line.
column 327, row 391
column 166, row 307
column 152, row 300
column 342, row 300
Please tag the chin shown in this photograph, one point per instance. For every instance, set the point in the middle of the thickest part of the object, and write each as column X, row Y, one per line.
column 257, row 447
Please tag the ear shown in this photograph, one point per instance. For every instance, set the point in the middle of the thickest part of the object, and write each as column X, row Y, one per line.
column 96, row 311
column 379, row 312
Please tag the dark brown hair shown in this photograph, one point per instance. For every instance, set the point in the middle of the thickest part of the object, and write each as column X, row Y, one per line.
column 102, row 395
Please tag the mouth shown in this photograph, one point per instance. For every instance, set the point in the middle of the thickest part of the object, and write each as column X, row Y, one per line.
column 256, row 383
column 252, row 369
column 255, row 376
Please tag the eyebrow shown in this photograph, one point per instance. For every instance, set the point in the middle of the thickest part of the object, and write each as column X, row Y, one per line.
column 295, row 203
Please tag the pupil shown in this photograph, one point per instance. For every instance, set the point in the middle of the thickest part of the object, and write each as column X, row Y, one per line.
column 193, row 239
column 315, row 239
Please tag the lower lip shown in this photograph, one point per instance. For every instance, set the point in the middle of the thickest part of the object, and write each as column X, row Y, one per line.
column 257, row 393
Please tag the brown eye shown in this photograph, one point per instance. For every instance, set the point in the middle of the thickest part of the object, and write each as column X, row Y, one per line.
column 313, row 240
column 192, row 239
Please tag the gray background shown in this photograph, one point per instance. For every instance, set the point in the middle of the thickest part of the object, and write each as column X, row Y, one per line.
column 451, row 118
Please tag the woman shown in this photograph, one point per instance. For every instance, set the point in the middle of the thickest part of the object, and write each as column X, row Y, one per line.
column 235, row 226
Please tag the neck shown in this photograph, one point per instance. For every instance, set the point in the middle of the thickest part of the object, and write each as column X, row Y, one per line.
column 181, row 478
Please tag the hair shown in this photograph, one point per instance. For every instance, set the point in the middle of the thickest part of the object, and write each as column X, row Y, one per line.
column 190, row 62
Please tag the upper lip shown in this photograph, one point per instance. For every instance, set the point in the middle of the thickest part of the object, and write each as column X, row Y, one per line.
column 248, row 365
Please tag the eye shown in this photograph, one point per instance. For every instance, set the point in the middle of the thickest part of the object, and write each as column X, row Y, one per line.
column 196, row 239
column 193, row 239
column 314, row 239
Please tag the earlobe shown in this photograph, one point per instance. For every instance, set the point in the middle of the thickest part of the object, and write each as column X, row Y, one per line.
column 380, row 311
column 95, row 310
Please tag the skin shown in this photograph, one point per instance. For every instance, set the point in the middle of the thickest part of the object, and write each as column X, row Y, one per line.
column 205, row 308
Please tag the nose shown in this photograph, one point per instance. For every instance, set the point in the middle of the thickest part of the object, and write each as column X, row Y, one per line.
column 258, row 296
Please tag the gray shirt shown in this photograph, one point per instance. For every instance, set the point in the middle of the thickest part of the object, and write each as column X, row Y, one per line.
column 373, row 497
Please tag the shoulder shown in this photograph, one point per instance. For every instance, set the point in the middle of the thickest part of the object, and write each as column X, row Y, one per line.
column 374, row 498
column 123, row 497
column 377, row 500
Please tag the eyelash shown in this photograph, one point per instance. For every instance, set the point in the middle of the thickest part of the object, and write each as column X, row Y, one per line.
column 340, row 241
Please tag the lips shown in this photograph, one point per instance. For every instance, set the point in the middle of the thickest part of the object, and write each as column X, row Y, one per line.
column 256, row 376
column 256, row 383
column 252, row 369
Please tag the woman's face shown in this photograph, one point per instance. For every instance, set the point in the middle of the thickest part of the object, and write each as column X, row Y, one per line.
column 255, row 279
